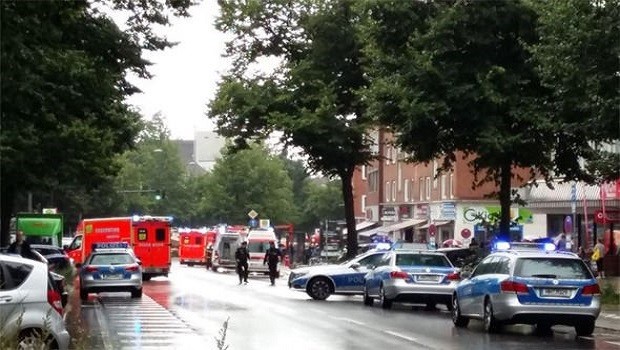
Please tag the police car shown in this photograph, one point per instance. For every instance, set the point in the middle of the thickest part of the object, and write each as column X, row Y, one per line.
column 111, row 267
column 543, row 287
column 321, row 281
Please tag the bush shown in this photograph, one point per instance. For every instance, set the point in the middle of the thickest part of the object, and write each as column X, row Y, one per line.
column 609, row 295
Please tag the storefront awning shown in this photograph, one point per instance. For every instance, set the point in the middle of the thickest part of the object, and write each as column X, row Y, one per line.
column 436, row 223
column 361, row 226
column 391, row 228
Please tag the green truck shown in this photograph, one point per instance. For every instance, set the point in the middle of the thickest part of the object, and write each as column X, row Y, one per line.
column 41, row 228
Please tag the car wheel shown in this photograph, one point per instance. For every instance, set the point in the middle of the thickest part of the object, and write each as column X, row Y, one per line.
column 491, row 325
column 368, row 300
column 383, row 300
column 319, row 288
column 83, row 294
column 457, row 318
column 136, row 293
column 585, row 328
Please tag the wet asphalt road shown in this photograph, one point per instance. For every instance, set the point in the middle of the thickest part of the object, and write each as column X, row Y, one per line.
column 189, row 310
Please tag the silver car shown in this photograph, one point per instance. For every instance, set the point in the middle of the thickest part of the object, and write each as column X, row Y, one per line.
column 544, row 288
column 411, row 276
column 30, row 306
column 111, row 270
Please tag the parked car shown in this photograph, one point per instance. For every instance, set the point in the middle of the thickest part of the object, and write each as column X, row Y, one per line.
column 542, row 287
column 30, row 305
column 321, row 281
column 56, row 257
column 411, row 276
column 111, row 270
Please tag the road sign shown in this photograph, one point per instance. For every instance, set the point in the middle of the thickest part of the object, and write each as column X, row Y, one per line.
column 252, row 214
column 264, row 223
column 465, row 233
column 432, row 230
column 253, row 223
column 573, row 192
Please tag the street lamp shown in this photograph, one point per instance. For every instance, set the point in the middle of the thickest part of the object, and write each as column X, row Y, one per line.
column 159, row 192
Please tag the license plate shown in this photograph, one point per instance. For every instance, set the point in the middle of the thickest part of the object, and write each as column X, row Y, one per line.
column 112, row 277
column 556, row 292
column 427, row 278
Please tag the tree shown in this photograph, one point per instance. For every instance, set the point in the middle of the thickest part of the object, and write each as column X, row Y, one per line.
column 311, row 98
column 458, row 77
column 246, row 180
column 577, row 59
column 63, row 84
column 323, row 202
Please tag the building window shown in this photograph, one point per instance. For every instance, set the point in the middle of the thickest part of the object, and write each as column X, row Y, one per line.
column 388, row 192
column 434, row 174
column 394, row 155
column 393, row 191
column 412, row 189
column 363, row 172
column 373, row 181
column 400, row 176
column 363, row 203
column 444, row 188
column 452, row 185
column 388, row 155
column 421, row 189
column 406, row 190
column 428, row 188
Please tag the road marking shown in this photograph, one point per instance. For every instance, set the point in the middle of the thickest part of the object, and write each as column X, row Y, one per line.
column 414, row 340
column 613, row 342
column 348, row 320
column 105, row 337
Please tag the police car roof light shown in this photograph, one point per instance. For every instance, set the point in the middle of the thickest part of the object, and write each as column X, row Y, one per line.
column 502, row 245
column 549, row 247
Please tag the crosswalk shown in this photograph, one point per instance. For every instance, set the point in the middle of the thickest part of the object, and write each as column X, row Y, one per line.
column 144, row 324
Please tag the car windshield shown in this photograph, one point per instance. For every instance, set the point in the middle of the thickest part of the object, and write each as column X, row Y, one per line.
column 422, row 260
column 552, row 268
column 111, row 259
column 258, row 247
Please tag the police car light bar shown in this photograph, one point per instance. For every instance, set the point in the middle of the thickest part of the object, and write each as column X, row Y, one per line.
column 502, row 246
column 110, row 245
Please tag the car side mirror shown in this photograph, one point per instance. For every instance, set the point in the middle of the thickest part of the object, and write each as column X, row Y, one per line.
column 355, row 265
column 465, row 274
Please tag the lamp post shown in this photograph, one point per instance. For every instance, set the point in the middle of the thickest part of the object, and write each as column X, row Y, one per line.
column 159, row 192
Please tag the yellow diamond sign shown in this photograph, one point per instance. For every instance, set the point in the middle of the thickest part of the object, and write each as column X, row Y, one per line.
column 252, row 214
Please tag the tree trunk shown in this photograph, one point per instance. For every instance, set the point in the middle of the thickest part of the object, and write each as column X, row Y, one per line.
column 349, row 211
column 6, row 209
column 505, row 201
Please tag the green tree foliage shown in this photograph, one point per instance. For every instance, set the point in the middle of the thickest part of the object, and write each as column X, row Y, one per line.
column 63, row 67
column 577, row 59
column 251, row 179
column 458, row 76
column 323, row 202
column 311, row 98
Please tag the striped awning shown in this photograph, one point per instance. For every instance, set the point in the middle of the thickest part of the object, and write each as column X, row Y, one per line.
column 436, row 223
column 400, row 225
column 361, row 226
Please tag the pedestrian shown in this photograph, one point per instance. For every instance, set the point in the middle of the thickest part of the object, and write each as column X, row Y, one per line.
column 209, row 256
column 597, row 255
column 272, row 257
column 242, row 255
column 21, row 247
column 562, row 243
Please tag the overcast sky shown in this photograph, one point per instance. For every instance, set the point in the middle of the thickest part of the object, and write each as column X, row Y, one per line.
column 185, row 76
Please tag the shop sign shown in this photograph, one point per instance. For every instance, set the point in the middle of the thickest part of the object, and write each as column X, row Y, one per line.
column 448, row 211
column 421, row 212
column 389, row 214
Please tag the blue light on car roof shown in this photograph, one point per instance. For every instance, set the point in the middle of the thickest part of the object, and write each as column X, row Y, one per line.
column 502, row 245
column 549, row 247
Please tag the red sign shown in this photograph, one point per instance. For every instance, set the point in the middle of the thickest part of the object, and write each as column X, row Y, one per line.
column 432, row 229
column 610, row 190
column 612, row 215
column 465, row 233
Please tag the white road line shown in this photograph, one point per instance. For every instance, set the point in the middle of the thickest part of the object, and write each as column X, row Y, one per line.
column 105, row 337
column 348, row 320
column 402, row 336
column 613, row 342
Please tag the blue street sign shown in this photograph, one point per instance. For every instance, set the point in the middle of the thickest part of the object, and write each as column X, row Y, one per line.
column 253, row 223
column 573, row 192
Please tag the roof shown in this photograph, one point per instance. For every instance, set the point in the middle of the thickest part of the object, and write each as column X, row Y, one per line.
column 540, row 195
column 360, row 226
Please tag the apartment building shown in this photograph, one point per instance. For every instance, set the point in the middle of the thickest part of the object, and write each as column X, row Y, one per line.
column 416, row 203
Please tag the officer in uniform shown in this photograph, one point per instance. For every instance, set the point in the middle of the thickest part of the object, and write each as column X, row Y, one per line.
column 242, row 255
column 272, row 257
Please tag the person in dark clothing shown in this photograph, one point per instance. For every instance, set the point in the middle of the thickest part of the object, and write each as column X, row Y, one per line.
column 209, row 256
column 272, row 257
column 242, row 255
column 21, row 247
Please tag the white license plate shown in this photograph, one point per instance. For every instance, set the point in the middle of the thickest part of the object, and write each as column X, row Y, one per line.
column 427, row 278
column 112, row 277
column 556, row 292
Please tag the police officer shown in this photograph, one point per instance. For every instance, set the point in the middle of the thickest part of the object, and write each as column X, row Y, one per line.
column 272, row 257
column 242, row 256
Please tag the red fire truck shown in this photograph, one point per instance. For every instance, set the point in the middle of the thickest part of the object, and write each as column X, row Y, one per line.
column 149, row 237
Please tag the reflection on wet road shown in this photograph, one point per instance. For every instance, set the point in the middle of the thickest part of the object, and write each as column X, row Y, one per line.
column 188, row 310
